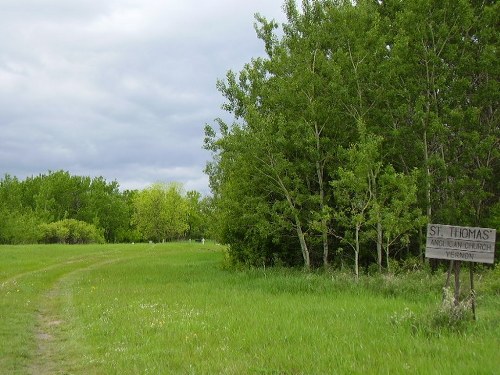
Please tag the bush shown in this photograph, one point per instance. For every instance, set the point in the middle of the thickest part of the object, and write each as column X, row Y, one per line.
column 373, row 269
column 70, row 231
column 412, row 264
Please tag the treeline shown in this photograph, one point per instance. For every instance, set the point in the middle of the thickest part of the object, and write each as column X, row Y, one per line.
column 60, row 208
column 365, row 121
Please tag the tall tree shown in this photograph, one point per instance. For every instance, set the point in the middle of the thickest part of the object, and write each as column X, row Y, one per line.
column 421, row 77
column 161, row 212
column 433, row 69
column 354, row 189
column 394, row 210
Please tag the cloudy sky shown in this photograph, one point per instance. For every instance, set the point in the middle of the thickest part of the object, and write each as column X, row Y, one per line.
column 118, row 88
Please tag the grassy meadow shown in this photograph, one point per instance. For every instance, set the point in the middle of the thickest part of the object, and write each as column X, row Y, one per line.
column 173, row 309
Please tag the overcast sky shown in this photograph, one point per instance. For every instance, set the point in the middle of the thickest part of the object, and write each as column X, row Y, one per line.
column 118, row 88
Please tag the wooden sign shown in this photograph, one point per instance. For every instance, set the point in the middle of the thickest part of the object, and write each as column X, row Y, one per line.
column 460, row 243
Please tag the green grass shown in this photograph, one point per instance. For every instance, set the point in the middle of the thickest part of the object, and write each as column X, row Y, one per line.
column 172, row 309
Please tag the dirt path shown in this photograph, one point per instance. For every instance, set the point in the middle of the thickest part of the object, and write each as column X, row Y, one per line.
column 54, row 353
column 48, row 337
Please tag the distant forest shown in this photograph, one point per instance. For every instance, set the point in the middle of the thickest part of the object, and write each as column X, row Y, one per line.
column 365, row 121
column 60, row 208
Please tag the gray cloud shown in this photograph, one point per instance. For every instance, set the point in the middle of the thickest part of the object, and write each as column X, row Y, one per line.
column 118, row 88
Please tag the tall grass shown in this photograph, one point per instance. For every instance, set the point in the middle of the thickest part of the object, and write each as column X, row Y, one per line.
column 172, row 309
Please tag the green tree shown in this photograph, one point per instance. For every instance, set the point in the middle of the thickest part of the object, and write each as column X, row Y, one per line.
column 354, row 189
column 440, row 64
column 19, row 222
column 197, row 219
column 250, row 216
column 422, row 78
column 161, row 212
column 394, row 210
column 106, row 208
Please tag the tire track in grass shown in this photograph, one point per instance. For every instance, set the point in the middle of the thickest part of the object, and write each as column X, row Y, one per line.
column 21, row 293
column 13, row 279
column 75, row 259
column 53, row 353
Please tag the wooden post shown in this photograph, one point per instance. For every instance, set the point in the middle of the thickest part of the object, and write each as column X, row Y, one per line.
column 449, row 274
column 457, row 282
column 472, row 291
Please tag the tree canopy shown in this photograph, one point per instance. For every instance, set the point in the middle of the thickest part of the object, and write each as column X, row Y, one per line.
column 364, row 121
column 60, row 207
column 161, row 212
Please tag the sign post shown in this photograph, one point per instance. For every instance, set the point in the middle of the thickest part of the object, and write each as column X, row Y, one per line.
column 457, row 244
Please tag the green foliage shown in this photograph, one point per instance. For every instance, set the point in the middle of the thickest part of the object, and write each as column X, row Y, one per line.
column 199, row 215
column 161, row 212
column 19, row 227
column 57, row 196
column 362, row 116
column 354, row 189
column 70, row 231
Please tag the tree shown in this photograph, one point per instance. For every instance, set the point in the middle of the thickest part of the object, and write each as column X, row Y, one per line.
column 354, row 189
column 106, row 208
column 19, row 222
column 161, row 212
column 253, row 216
column 198, row 212
column 422, row 78
column 59, row 195
column 394, row 210
column 440, row 64
column 285, row 136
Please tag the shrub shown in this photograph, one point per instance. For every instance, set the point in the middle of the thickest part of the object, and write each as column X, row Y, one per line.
column 412, row 264
column 70, row 231
column 372, row 269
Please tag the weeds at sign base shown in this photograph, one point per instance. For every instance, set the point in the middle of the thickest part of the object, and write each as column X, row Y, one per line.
column 452, row 315
column 449, row 317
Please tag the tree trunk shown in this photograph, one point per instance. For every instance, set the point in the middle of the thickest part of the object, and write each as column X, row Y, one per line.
column 457, row 283
column 324, row 226
column 379, row 243
column 320, row 173
column 387, row 257
column 326, row 250
column 303, row 244
column 356, row 253
column 298, row 224
column 428, row 172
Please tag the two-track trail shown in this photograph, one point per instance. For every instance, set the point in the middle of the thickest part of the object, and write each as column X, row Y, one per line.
column 52, row 355
column 34, row 301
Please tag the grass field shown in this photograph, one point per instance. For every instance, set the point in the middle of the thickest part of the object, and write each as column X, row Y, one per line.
column 172, row 309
